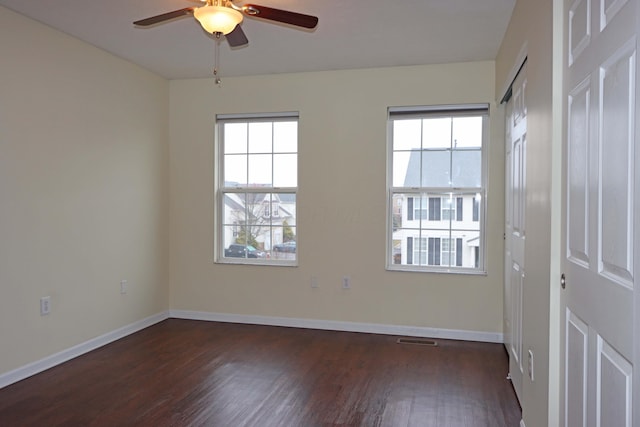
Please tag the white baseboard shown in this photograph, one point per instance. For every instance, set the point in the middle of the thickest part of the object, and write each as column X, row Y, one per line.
column 78, row 350
column 332, row 325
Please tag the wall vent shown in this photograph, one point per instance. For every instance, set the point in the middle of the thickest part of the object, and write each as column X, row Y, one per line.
column 417, row 341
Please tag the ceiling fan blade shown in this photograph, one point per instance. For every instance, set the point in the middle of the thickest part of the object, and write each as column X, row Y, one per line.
column 237, row 37
column 164, row 17
column 293, row 18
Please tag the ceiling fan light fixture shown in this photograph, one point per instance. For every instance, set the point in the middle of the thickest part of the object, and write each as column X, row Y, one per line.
column 217, row 19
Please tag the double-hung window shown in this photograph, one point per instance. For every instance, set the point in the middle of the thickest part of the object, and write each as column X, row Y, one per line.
column 257, row 184
column 436, row 186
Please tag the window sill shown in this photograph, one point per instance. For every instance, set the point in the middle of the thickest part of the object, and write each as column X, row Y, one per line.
column 252, row 261
column 442, row 270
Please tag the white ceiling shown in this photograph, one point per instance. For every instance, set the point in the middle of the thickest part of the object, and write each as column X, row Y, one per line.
column 351, row 34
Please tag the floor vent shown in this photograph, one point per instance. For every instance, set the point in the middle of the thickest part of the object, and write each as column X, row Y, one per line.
column 417, row 341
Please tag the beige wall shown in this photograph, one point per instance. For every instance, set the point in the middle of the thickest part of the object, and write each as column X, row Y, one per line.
column 532, row 26
column 342, row 199
column 83, row 190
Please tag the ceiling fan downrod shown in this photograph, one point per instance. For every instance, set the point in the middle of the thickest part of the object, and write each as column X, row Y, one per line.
column 216, row 61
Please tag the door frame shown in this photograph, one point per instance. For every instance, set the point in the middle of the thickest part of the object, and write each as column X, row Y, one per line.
column 556, row 316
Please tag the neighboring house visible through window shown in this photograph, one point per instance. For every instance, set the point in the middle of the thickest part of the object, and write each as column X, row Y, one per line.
column 436, row 186
column 257, row 163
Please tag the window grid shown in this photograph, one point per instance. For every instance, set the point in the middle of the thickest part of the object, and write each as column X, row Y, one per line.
column 435, row 204
column 257, row 189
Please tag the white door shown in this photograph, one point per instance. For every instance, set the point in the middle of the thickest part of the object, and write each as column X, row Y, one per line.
column 600, row 221
column 515, row 161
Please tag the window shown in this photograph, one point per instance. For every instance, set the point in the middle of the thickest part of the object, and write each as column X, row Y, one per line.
column 452, row 209
column 257, row 188
column 417, row 208
column 434, row 251
column 451, row 252
column 418, row 249
column 436, row 184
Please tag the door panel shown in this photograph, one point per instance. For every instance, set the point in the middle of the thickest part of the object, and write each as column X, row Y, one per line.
column 599, row 223
column 613, row 390
column 616, row 117
column 578, row 174
column 576, row 374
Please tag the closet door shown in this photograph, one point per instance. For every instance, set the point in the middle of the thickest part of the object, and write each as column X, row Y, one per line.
column 515, row 235
column 600, row 221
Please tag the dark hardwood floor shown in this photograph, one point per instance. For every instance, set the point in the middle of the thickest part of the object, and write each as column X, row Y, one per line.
column 191, row 373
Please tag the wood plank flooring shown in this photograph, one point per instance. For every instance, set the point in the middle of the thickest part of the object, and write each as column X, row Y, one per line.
column 191, row 373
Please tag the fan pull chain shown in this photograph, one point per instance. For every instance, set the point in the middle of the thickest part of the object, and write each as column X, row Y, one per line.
column 216, row 62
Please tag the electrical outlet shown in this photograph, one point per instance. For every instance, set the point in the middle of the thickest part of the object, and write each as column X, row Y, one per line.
column 45, row 306
column 346, row 282
column 530, row 364
column 124, row 286
column 314, row 282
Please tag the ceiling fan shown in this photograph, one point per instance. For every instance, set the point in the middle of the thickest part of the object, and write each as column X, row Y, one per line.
column 223, row 17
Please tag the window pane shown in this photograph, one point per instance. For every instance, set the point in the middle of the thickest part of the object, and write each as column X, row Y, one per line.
column 285, row 170
column 235, row 170
column 284, row 227
column 467, row 132
column 285, row 137
column 406, row 134
column 436, row 169
column 467, row 168
column 260, row 137
column 404, row 173
column 396, row 211
column 284, row 248
column 260, row 173
column 230, row 233
column 234, row 208
column 287, row 212
column 235, row 138
column 437, row 133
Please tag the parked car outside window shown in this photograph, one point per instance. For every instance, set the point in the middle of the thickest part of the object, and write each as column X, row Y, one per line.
column 285, row 247
column 243, row 251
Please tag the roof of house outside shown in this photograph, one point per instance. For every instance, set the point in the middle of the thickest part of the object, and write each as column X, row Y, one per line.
column 445, row 168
